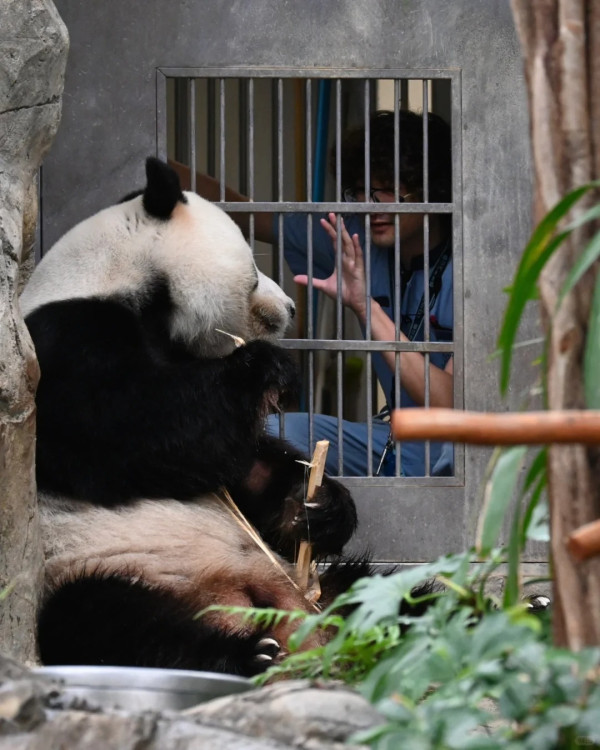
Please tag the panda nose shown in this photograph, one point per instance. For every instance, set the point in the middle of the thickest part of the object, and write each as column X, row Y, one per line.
column 291, row 309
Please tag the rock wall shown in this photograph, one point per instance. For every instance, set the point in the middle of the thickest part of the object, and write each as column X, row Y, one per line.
column 33, row 52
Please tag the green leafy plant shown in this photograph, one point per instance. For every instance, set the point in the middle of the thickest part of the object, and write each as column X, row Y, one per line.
column 470, row 672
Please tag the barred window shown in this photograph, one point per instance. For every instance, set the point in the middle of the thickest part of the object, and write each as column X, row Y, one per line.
column 382, row 151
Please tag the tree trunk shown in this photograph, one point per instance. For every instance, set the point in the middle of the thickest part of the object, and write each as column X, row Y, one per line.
column 34, row 44
column 560, row 40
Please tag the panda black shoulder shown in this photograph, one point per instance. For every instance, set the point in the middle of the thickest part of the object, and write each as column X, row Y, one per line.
column 162, row 191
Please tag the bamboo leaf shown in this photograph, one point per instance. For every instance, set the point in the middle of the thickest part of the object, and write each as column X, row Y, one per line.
column 540, row 248
column 591, row 362
column 537, row 479
column 524, row 289
column 531, row 515
column 538, row 529
column 498, row 494
column 512, row 585
column 538, row 466
column 6, row 591
column 590, row 254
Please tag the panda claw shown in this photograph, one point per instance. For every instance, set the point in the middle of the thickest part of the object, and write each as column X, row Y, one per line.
column 265, row 653
column 267, row 649
column 263, row 659
column 538, row 602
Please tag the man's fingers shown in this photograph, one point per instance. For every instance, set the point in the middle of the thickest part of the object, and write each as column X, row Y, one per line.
column 351, row 248
column 320, row 284
column 357, row 246
column 328, row 228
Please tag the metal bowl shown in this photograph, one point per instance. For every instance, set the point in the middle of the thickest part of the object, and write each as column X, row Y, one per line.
column 142, row 688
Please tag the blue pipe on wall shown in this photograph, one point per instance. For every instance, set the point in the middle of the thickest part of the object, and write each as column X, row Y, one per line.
column 322, row 132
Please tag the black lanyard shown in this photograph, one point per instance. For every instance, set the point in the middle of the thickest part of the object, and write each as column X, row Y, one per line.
column 435, row 277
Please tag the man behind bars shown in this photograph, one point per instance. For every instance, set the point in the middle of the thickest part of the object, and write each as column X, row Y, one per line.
column 411, row 242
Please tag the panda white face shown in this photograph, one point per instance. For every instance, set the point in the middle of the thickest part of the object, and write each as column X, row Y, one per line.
column 271, row 310
column 191, row 244
column 213, row 258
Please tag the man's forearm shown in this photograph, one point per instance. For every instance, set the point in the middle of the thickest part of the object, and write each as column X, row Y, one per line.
column 412, row 364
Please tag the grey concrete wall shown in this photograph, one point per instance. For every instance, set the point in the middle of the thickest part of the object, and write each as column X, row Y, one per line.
column 109, row 127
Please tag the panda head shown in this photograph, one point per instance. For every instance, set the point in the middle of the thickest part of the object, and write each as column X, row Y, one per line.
column 165, row 237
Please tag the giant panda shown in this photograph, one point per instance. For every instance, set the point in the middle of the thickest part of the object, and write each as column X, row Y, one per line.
column 147, row 414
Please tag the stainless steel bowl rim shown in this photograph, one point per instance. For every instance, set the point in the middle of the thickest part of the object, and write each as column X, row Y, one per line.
column 145, row 678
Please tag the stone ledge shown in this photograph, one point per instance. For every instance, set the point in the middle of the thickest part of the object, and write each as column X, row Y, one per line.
column 295, row 714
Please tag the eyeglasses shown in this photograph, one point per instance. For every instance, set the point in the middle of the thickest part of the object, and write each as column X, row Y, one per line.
column 376, row 195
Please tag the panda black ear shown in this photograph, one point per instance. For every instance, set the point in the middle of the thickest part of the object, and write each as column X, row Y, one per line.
column 162, row 191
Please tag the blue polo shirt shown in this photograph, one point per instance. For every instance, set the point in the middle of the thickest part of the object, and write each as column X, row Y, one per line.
column 382, row 286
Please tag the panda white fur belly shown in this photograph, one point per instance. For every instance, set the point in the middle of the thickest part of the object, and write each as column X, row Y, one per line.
column 144, row 411
column 209, row 560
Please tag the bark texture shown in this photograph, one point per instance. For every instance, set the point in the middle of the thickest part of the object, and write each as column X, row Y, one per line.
column 560, row 40
column 33, row 45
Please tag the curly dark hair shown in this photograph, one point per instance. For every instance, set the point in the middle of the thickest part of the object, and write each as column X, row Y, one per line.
column 381, row 144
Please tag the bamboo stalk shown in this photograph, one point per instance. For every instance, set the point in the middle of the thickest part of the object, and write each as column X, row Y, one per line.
column 303, row 562
column 482, row 428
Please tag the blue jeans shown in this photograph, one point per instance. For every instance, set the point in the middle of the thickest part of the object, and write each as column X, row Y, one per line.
column 354, row 435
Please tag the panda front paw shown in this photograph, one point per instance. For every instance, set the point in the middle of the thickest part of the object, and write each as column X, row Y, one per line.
column 268, row 371
column 328, row 520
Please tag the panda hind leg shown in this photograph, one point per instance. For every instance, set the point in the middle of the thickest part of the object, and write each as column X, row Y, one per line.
column 111, row 620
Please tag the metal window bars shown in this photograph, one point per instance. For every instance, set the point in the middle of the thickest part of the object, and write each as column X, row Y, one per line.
column 271, row 130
